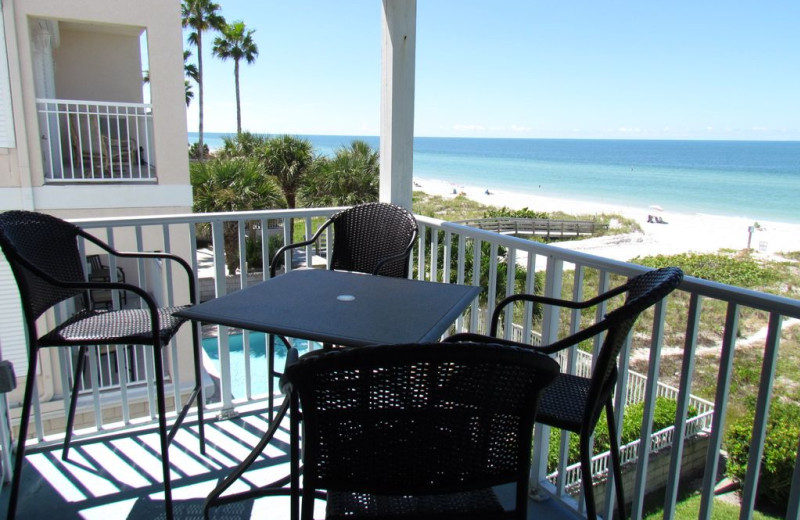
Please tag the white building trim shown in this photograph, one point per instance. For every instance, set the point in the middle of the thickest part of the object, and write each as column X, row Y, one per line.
column 6, row 115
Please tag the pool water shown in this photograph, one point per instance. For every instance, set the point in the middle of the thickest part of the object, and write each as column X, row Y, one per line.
column 258, row 360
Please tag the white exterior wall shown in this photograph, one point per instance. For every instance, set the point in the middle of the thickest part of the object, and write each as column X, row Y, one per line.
column 97, row 45
column 97, row 58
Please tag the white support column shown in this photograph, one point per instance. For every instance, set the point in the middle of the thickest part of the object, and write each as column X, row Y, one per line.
column 397, row 101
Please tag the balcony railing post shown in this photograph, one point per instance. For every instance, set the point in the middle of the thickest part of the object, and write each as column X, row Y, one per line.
column 552, row 288
column 682, row 412
column 653, row 370
column 756, row 449
column 721, row 398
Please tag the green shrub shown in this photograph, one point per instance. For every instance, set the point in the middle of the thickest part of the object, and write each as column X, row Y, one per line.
column 780, row 451
column 253, row 251
column 504, row 212
column 663, row 416
column 194, row 151
column 742, row 271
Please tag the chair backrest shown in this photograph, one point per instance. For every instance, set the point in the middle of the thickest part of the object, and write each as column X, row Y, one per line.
column 85, row 136
column 35, row 241
column 414, row 419
column 641, row 292
column 95, row 262
column 373, row 238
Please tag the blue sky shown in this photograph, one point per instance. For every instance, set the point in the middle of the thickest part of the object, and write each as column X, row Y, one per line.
column 521, row 68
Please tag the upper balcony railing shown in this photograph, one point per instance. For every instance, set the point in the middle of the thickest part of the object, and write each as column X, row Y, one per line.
column 454, row 253
column 94, row 141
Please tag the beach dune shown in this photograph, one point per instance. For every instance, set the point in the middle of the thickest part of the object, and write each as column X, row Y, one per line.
column 682, row 232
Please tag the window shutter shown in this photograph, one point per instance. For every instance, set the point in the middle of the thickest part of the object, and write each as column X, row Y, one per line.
column 6, row 117
column 13, row 343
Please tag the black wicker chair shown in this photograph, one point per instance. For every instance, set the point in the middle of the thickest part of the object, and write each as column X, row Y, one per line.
column 418, row 431
column 574, row 403
column 373, row 238
column 45, row 257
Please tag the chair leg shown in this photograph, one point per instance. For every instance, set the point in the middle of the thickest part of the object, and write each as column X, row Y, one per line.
column 162, row 429
column 615, row 460
column 198, row 381
column 294, row 456
column 586, row 477
column 271, row 377
column 27, row 401
column 73, row 401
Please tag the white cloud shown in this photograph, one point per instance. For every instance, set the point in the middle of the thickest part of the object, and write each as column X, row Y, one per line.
column 469, row 128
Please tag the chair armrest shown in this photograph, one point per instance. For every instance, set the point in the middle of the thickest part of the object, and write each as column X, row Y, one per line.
column 273, row 264
column 574, row 339
column 535, row 298
column 148, row 255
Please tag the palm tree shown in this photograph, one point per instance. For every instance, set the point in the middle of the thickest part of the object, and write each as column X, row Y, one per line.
column 232, row 185
column 189, row 70
column 350, row 177
column 288, row 159
column 201, row 16
column 243, row 144
column 237, row 43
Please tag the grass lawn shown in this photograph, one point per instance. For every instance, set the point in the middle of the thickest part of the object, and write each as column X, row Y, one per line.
column 722, row 510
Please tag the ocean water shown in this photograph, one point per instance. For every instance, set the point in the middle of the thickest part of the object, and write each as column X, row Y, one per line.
column 759, row 180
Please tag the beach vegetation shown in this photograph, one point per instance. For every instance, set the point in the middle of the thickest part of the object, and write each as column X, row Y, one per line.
column 236, row 42
column 201, row 16
column 450, row 209
column 505, row 212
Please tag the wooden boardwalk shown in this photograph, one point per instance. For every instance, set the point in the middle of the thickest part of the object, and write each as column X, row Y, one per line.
column 542, row 227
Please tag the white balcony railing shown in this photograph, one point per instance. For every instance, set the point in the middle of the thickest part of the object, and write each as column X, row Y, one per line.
column 93, row 141
column 454, row 253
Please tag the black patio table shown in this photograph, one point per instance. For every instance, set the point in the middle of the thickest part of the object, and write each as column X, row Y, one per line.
column 341, row 308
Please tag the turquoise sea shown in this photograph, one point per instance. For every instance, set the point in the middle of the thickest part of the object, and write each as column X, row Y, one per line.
column 759, row 180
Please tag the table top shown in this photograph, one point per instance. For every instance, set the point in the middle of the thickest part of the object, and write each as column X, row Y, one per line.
column 340, row 307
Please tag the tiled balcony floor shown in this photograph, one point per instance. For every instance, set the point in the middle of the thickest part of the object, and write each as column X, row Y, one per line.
column 119, row 476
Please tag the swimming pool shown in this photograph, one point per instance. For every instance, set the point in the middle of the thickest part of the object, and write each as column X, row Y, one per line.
column 258, row 360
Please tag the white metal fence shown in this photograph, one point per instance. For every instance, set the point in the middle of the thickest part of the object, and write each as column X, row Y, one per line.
column 93, row 141
column 451, row 252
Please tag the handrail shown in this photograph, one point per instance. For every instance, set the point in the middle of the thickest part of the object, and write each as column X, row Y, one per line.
column 449, row 251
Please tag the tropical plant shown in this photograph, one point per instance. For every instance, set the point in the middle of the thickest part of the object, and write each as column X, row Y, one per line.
column 243, row 144
column 190, row 71
column 232, row 185
column 201, row 16
column 288, row 159
column 194, row 151
column 349, row 177
column 236, row 43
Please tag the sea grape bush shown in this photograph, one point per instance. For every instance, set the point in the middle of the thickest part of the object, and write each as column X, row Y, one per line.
column 742, row 271
column 663, row 416
column 780, row 451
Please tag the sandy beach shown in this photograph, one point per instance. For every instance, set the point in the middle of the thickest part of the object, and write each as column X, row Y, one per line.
column 700, row 233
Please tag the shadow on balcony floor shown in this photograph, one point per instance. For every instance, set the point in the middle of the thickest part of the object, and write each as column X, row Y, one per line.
column 119, row 476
